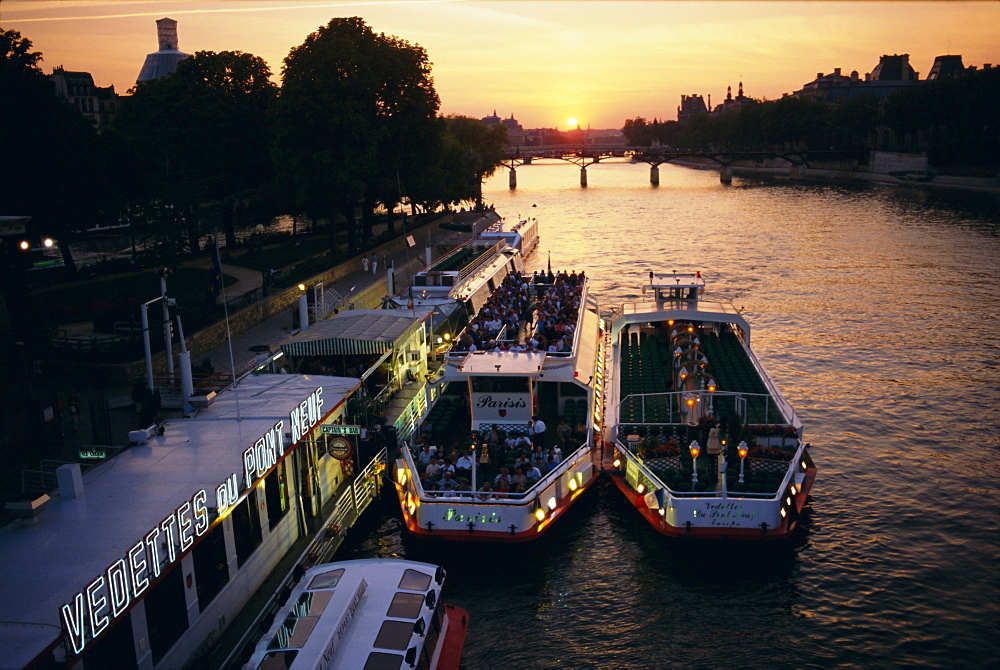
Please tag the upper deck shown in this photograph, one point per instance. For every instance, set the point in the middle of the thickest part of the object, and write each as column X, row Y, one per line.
column 367, row 613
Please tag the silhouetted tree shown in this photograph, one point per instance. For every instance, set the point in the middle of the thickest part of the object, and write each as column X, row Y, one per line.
column 200, row 135
column 355, row 108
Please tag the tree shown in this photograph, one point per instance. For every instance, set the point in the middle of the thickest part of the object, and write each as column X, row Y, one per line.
column 57, row 177
column 356, row 109
column 201, row 135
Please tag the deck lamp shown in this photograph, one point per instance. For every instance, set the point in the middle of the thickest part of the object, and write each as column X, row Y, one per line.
column 302, row 287
column 742, row 450
column 695, row 449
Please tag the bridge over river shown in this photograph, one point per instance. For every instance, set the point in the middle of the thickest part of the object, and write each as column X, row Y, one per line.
column 723, row 161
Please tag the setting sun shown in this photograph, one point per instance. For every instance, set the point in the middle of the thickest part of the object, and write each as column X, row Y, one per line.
column 572, row 122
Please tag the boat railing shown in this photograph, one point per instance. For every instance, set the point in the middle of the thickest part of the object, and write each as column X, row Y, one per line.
column 498, row 497
column 778, row 398
column 702, row 396
column 484, row 259
column 650, row 481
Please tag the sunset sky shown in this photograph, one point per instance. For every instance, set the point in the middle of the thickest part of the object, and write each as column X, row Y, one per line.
column 543, row 62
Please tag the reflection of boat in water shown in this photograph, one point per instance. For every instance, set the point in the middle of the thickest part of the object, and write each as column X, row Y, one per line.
column 529, row 359
column 705, row 444
column 368, row 613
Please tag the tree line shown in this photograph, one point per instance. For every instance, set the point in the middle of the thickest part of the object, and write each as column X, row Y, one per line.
column 955, row 121
column 352, row 131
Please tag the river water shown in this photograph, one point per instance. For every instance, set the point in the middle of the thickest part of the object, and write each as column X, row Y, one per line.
column 876, row 311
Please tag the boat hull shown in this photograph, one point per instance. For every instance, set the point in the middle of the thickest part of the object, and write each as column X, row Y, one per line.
column 779, row 532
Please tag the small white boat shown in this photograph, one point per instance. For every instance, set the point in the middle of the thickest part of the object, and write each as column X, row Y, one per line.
column 377, row 613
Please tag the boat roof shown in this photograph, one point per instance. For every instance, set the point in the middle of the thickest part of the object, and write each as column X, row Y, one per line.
column 357, row 331
column 520, row 363
column 76, row 539
column 344, row 612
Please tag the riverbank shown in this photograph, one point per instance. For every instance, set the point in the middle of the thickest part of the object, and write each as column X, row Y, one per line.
column 781, row 170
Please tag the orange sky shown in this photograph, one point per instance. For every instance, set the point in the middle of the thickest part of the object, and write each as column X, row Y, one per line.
column 543, row 62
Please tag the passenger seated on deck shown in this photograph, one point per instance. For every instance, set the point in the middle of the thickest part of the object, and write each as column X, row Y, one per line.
column 532, row 474
column 486, row 492
column 522, row 460
column 502, row 481
column 434, row 468
column 424, row 457
column 523, row 442
column 464, row 465
column 518, row 478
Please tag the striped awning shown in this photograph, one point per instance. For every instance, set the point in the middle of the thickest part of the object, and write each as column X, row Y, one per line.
column 357, row 332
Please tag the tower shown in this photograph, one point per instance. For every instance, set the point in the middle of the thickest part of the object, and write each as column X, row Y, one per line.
column 162, row 62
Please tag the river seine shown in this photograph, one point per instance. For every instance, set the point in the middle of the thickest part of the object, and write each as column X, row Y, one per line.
column 876, row 311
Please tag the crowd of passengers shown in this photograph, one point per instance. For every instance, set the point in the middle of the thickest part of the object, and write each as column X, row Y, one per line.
column 555, row 315
column 507, row 306
column 450, row 475
column 556, row 312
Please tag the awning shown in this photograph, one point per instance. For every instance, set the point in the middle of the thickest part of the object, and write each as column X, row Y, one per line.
column 357, row 332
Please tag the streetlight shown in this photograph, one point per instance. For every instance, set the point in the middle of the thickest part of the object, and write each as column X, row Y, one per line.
column 742, row 450
column 695, row 449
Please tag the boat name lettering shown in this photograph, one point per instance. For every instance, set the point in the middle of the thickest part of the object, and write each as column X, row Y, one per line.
column 727, row 514
column 90, row 611
column 307, row 414
column 488, row 401
column 345, row 622
column 264, row 454
column 452, row 515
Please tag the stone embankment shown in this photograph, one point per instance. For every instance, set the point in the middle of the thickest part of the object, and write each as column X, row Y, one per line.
column 888, row 168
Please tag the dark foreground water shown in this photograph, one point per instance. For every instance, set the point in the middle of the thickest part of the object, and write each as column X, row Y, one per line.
column 876, row 311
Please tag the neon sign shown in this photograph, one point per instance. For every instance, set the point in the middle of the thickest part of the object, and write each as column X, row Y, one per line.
column 92, row 610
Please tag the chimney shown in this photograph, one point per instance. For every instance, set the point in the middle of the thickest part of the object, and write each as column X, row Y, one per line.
column 836, row 71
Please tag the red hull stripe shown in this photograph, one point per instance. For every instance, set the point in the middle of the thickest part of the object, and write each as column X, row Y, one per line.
column 656, row 521
column 454, row 638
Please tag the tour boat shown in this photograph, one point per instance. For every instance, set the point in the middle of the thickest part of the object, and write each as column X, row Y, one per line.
column 540, row 367
column 367, row 613
column 705, row 445
column 456, row 285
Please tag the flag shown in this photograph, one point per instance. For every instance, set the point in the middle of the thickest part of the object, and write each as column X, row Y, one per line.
column 215, row 273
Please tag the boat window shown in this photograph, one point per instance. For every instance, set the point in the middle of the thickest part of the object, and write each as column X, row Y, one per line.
column 278, row 660
column 406, row 605
column 496, row 384
column 447, row 280
column 420, row 280
column 394, row 635
column 293, row 633
column 326, row 580
column 312, row 603
column 414, row 580
column 378, row 660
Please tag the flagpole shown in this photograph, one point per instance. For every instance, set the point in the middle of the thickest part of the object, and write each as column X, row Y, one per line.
column 229, row 335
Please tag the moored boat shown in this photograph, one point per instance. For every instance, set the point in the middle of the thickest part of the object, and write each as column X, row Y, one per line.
column 524, row 379
column 705, row 444
column 367, row 613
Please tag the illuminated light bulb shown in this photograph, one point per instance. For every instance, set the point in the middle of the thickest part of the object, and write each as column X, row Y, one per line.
column 641, row 488
column 783, row 513
column 663, row 512
column 572, row 485
column 788, row 500
column 617, row 463
column 24, row 245
column 48, row 242
column 540, row 514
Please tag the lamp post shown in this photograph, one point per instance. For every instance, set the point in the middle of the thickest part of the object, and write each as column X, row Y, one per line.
column 695, row 449
column 711, row 397
column 742, row 450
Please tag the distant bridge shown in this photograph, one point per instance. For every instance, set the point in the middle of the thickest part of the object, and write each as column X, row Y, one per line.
column 589, row 154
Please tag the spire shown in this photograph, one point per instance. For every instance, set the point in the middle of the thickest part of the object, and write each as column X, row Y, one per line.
column 741, row 89
column 729, row 93
column 166, row 33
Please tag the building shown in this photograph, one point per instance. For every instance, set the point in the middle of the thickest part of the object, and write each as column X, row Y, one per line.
column 731, row 104
column 691, row 105
column 98, row 104
column 946, row 67
column 515, row 132
column 893, row 73
column 139, row 561
column 163, row 62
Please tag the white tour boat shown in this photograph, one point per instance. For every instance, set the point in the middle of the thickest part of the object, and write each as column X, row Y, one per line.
column 528, row 362
column 457, row 285
column 377, row 614
column 705, row 445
